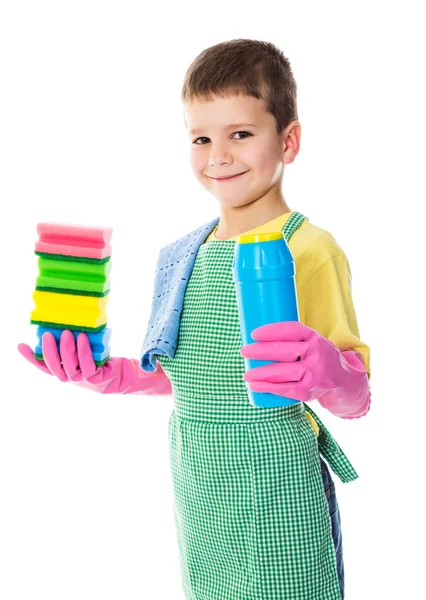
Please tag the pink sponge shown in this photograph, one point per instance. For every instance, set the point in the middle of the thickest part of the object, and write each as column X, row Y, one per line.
column 74, row 240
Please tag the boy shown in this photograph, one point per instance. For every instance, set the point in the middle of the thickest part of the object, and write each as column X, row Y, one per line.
column 255, row 507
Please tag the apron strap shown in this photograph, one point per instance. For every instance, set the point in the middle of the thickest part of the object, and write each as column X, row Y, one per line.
column 294, row 222
column 332, row 452
column 327, row 445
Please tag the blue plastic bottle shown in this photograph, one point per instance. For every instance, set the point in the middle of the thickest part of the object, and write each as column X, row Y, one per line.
column 264, row 276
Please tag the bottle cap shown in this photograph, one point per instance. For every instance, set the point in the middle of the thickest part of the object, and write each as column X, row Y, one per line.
column 259, row 237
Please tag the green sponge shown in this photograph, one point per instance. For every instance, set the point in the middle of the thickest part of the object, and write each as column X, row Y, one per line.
column 70, row 277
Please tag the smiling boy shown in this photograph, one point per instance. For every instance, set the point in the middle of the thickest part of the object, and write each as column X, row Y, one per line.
column 255, row 506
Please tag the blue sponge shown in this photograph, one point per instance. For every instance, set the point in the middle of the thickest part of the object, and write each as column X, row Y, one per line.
column 99, row 342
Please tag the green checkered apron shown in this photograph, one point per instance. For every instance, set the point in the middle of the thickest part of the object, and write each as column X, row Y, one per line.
column 250, row 510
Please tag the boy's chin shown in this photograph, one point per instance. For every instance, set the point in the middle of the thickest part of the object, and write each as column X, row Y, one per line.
column 232, row 201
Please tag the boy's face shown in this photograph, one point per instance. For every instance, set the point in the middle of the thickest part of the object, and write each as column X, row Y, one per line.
column 219, row 148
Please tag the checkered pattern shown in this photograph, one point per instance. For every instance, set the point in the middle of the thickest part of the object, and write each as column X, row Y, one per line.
column 251, row 515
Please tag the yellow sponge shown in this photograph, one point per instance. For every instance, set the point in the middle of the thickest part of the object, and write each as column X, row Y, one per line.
column 69, row 310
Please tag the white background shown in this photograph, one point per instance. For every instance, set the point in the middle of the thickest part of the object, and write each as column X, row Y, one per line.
column 92, row 132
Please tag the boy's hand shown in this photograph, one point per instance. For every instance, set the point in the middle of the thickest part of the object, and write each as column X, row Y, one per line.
column 309, row 366
column 69, row 364
column 75, row 364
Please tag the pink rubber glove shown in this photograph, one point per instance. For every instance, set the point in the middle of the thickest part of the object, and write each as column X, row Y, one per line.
column 116, row 376
column 338, row 380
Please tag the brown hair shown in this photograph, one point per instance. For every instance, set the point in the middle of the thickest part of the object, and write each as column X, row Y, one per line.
column 246, row 67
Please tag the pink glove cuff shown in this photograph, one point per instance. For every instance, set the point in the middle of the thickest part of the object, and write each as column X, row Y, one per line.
column 352, row 400
column 135, row 380
column 125, row 376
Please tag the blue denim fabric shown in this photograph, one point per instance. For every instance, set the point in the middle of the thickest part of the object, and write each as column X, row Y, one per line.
column 333, row 509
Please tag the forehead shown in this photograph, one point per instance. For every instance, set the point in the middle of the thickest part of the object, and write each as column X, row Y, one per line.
column 220, row 112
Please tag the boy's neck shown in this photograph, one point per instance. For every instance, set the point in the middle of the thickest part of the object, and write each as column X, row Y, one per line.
column 236, row 221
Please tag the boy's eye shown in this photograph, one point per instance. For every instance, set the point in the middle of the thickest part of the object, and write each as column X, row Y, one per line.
column 206, row 138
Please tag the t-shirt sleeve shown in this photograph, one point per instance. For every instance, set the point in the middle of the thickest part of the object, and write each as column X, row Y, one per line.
column 325, row 304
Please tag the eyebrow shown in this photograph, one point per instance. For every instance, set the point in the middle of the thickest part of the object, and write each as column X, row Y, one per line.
column 192, row 131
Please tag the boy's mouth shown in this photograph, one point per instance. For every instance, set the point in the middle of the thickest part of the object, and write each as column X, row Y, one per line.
column 228, row 178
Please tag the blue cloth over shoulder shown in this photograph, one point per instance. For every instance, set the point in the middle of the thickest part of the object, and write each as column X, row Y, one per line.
column 173, row 270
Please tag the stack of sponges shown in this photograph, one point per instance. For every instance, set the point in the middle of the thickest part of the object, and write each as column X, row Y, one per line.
column 73, row 285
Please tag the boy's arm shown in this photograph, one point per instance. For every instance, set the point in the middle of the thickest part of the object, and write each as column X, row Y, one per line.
column 326, row 305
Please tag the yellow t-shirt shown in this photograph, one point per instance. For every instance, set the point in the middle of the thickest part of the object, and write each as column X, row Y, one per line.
column 323, row 284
